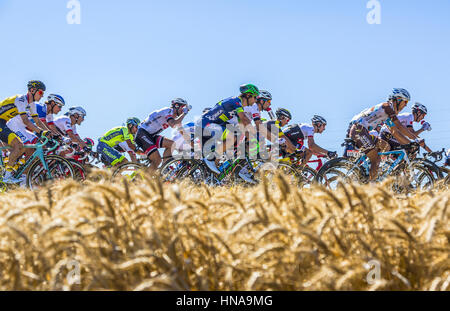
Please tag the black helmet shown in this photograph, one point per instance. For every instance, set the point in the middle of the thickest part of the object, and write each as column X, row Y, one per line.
column 283, row 112
column 39, row 85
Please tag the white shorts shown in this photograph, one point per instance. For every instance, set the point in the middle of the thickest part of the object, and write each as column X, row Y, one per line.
column 25, row 136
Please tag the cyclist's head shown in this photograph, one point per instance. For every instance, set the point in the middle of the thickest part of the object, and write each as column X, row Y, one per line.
column 399, row 98
column 249, row 92
column 319, row 123
column 89, row 142
column 178, row 103
column 283, row 115
column 264, row 100
column 132, row 124
column 419, row 111
column 36, row 89
column 55, row 102
column 77, row 113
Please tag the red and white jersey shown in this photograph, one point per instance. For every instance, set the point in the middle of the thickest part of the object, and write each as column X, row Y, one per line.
column 157, row 121
column 64, row 124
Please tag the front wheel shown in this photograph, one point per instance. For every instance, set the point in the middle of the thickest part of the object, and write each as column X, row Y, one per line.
column 338, row 169
column 58, row 169
column 132, row 171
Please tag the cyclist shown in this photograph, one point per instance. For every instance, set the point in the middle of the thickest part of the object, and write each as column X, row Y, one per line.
column 46, row 111
column 148, row 138
column 272, row 130
column 215, row 121
column 447, row 158
column 407, row 119
column 121, row 134
column 19, row 106
column 385, row 112
column 297, row 133
column 66, row 126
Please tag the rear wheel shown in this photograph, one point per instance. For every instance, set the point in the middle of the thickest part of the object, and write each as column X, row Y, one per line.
column 130, row 171
column 78, row 170
column 339, row 169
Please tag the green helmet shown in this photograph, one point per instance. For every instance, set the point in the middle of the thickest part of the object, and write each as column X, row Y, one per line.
column 133, row 121
column 249, row 89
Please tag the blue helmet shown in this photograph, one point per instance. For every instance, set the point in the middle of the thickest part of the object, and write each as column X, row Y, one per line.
column 400, row 93
column 58, row 99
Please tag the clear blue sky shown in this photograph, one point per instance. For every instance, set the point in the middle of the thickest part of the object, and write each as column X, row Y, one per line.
column 128, row 58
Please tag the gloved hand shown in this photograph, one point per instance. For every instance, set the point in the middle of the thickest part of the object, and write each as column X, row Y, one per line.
column 426, row 126
column 420, row 141
column 332, row 154
column 87, row 149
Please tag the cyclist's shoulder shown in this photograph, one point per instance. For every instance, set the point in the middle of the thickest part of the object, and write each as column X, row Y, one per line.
column 231, row 100
column 13, row 99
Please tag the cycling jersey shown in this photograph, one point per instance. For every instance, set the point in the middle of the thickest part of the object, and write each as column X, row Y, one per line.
column 182, row 141
column 13, row 106
column 447, row 160
column 157, row 121
column 117, row 135
column 374, row 133
column 251, row 112
column 224, row 111
column 64, row 124
column 406, row 119
column 275, row 126
column 42, row 113
column 371, row 117
column 16, row 123
column 298, row 132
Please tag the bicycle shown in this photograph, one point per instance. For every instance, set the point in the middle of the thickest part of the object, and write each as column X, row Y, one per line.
column 396, row 163
column 41, row 167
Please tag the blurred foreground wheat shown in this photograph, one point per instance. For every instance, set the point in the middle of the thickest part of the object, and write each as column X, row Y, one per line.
column 151, row 236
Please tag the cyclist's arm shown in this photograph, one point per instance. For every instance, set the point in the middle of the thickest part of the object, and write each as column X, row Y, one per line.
column 403, row 130
column 314, row 147
column 131, row 145
column 39, row 123
column 245, row 123
column 399, row 136
column 29, row 124
column 76, row 139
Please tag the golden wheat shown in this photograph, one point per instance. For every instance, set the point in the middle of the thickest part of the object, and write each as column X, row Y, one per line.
column 153, row 236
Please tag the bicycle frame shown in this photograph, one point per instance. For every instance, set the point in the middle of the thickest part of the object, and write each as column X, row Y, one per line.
column 363, row 161
column 39, row 153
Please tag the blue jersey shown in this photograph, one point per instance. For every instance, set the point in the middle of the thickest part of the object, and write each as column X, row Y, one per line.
column 41, row 111
column 224, row 111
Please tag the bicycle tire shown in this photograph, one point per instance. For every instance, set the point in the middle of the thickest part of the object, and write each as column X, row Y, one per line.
column 38, row 173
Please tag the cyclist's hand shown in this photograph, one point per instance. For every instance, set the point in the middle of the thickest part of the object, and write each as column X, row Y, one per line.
column 187, row 109
column 87, row 149
column 426, row 126
column 332, row 154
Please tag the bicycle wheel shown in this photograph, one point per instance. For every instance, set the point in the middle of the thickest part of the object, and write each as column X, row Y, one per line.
column 132, row 171
column 307, row 177
column 78, row 170
column 269, row 170
column 59, row 169
column 415, row 178
column 171, row 171
column 338, row 169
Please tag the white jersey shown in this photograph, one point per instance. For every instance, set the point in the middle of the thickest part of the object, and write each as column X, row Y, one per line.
column 307, row 130
column 182, row 142
column 374, row 133
column 64, row 124
column 406, row 119
column 157, row 121
column 251, row 112
column 16, row 123
column 373, row 116
column 125, row 147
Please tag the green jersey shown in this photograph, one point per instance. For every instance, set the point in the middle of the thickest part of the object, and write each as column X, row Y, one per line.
column 117, row 135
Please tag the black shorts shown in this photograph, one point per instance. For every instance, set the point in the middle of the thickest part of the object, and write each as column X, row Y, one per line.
column 6, row 135
column 386, row 136
column 148, row 142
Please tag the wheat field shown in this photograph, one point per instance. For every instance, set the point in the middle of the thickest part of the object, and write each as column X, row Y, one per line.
column 153, row 236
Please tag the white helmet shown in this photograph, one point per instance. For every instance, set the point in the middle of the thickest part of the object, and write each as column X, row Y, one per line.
column 263, row 94
column 57, row 99
column 77, row 110
column 318, row 119
column 179, row 101
column 400, row 93
column 420, row 107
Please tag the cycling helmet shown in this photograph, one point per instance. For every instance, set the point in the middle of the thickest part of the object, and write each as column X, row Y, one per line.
column 206, row 110
column 281, row 112
column 77, row 110
column 57, row 99
column 89, row 142
column 36, row 84
column 179, row 101
column 400, row 93
column 263, row 94
column 133, row 121
column 249, row 89
column 318, row 119
column 420, row 107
